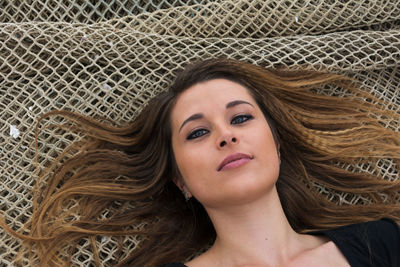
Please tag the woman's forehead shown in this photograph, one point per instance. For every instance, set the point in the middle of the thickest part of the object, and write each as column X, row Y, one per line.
column 216, row 92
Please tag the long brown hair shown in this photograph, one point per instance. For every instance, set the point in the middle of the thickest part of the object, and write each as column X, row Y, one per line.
column 120, row 181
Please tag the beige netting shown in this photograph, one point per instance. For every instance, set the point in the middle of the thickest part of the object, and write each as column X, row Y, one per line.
column 110, row 57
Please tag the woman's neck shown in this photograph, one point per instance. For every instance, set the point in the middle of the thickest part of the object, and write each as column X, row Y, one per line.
column 256, row 233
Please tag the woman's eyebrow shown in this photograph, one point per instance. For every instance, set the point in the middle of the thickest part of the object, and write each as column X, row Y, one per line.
column 237, row 102
column 195, row 116
column 198, row 116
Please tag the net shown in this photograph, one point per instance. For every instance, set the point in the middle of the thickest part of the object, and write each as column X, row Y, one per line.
column 110, row 57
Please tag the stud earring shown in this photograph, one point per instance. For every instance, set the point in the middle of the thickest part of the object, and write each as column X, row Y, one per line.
column 186, row 195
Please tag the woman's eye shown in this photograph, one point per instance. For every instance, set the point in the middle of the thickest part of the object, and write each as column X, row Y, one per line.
column 241, row 118
column 196, row 134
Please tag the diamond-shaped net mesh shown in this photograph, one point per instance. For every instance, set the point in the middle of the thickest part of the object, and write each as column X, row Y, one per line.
column 110, row 57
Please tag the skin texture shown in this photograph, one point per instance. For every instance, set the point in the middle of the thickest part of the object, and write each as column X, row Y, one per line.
column 210, row 121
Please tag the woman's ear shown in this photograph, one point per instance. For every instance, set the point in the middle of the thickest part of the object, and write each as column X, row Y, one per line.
column 181, row 185
column 178, row 182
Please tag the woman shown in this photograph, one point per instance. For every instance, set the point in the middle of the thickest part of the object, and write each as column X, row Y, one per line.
column 228, row 159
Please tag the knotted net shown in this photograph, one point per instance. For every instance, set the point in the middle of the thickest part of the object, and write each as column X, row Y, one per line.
column 110, row 57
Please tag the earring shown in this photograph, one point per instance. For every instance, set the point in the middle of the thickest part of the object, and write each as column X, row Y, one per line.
column 186, row 195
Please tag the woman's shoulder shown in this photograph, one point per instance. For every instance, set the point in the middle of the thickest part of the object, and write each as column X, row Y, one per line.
column 373, row 243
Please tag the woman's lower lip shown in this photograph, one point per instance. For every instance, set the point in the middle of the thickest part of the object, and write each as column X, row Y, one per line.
column 235, row 164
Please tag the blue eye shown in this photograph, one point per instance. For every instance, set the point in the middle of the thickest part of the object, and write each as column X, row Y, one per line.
column 196, row 134
column 241, row 118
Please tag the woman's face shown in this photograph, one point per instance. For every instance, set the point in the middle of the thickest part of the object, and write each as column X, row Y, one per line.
column 222, row 144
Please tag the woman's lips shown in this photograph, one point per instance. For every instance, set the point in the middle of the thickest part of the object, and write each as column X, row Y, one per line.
column 233, row 161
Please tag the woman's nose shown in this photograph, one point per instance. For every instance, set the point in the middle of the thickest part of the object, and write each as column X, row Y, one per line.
column 224, row 143
column 227, row 139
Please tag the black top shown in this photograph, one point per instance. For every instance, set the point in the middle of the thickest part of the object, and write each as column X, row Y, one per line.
column 375, row 243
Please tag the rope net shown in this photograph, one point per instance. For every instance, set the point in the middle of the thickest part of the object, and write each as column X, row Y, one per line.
column 110, row 57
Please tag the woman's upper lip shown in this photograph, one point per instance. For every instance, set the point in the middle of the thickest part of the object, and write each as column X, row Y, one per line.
column 233, row 157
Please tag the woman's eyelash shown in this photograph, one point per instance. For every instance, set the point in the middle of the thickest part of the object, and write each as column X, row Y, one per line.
column 236, row 120
column 196, row 134
column 241, row 118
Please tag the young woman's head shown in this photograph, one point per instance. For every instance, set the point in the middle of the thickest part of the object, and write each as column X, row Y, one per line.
column 223, row 146
column 217, row 125
column 225, row 132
